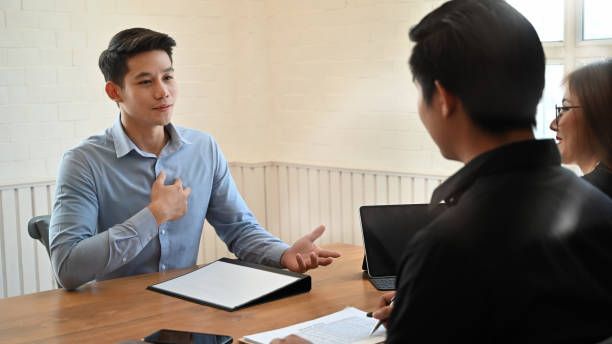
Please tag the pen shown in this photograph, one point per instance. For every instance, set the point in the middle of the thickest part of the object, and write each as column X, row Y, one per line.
column 369, row 314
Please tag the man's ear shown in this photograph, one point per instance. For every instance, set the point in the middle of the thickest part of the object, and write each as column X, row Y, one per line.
column 113, row 91
column 448, row 101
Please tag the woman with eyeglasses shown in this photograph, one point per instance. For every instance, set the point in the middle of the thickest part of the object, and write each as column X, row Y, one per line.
column 583, row 123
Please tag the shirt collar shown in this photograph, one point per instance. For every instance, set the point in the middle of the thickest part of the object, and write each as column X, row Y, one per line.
column 514, row 156
column 600, row 170
column 601, row 167
column 124, row 145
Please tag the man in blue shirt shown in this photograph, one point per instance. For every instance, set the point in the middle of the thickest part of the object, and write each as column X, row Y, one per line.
column 134, row 199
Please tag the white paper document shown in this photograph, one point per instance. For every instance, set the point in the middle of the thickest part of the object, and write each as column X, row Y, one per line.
column 225, row 284
column 349, row 325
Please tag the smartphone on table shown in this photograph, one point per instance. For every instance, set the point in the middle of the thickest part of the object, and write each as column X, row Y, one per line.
column 166, row 336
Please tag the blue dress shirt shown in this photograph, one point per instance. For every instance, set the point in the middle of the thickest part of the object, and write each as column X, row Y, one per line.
column 101, row 226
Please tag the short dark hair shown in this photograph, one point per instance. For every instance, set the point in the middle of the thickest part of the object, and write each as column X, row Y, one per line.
column 127, row 43
column 488, row 55
column 592, row 85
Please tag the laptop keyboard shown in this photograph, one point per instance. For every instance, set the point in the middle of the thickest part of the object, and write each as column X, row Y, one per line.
column 386, row 283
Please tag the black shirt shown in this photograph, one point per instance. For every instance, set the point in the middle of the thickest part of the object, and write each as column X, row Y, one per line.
column 601, row 177
column 523, row 254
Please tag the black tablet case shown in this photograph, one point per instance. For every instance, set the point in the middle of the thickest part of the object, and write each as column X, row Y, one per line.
column 302, row 285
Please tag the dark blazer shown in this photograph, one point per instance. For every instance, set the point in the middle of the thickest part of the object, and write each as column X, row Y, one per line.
column 601, row 177
column 523, row 254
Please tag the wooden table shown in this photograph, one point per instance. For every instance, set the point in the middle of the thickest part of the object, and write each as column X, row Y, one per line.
column 122, row 309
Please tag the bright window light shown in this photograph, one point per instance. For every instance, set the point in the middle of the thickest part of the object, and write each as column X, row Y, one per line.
column 547, row 16
column 596, row 22
column 553, row 94
column 585, row 61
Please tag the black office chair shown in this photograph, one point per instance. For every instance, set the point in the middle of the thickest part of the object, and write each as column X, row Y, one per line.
column 38, row 228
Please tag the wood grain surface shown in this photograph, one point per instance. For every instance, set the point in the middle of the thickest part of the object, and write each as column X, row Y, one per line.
column 122, row 309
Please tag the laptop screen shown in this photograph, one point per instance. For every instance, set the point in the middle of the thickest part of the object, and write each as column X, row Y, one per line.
column 387, row 229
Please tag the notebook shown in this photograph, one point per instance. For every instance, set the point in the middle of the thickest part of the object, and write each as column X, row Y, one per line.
column 386, row 231
column 231, row 284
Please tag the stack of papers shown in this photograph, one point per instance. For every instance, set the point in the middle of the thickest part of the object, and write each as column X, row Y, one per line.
column 349, row 325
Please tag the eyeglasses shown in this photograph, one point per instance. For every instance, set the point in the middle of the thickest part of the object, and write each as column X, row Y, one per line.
column 560, row 110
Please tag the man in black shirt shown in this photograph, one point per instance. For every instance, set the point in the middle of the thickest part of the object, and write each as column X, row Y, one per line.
column 523, row 253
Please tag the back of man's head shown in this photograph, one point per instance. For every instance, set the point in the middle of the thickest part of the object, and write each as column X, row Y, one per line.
column 127, row 43
column 488, row 55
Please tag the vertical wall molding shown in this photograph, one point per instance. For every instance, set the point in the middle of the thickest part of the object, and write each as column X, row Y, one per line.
column 24, row 262
column 288, row 199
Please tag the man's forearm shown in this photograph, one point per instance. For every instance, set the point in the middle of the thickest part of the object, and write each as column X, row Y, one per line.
column 79, row 261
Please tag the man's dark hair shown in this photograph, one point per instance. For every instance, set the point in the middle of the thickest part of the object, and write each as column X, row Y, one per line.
column 488, row 55
column 127, row 43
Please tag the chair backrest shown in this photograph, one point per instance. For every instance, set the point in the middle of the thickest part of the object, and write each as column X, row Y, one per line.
column 38, row 228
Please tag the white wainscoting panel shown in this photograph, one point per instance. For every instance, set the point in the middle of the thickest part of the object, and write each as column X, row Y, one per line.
column 288, row 199
column 24, row 262
column 291, row 199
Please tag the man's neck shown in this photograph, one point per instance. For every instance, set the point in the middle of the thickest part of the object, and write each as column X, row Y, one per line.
column 482, row 142
column 150, row 139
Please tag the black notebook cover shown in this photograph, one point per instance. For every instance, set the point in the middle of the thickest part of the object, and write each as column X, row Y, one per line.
column 190, row 285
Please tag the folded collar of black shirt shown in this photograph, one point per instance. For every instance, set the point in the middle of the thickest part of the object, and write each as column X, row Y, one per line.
column 506, row 158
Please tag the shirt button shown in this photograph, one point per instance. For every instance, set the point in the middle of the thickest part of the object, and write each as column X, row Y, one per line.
column 124, row 259
column 163, row 232
column 163, row 267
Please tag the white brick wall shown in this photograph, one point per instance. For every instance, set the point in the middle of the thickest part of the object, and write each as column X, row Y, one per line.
column 342, row 91
column 308, row 81
column 51, row 91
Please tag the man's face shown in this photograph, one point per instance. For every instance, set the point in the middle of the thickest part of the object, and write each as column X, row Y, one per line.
column 149, row 90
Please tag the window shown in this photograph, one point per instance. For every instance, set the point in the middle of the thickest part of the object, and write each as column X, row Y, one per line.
column 545, row 15
column 573, row 33
column 553, row 93
column 596, row 23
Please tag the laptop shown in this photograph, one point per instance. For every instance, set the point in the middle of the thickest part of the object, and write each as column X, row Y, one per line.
column 387, row 229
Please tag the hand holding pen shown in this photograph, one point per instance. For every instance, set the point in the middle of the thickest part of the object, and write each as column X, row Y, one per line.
column 383, row 313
